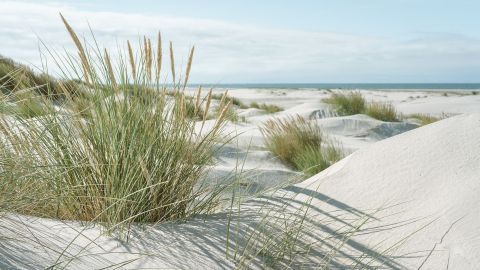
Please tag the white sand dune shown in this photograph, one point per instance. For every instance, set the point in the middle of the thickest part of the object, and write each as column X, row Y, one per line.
column 429, row 176
column 410, row 201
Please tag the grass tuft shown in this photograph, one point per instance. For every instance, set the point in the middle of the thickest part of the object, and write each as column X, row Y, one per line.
column 354, row 103
column 300, row 144
column 347, row 104
column 424, row 119
column 269, row 108
column 382, row 111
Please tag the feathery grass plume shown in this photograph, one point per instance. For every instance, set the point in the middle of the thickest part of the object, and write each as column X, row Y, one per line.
column 172, row 63
column 159, row 59
column 189, row 66
column 135, row 158
column 81, row 51
column 148, row 57
column 347, row 104
column 132, row 60
column 382, row 111
column 108, row 64
column 300, row 144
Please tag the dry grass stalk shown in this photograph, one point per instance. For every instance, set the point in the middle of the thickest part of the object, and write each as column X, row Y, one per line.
column 81, row 50
column 197, row 101
column 172, row 63
column 148, row 57
column 189, row 66
column 111, row 76
column 132, row 60
column 159, row 58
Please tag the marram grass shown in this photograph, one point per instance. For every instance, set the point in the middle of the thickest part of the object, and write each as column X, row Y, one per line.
column 351, row 103
column 127, row 152
column 300, row 144
column 382, row 111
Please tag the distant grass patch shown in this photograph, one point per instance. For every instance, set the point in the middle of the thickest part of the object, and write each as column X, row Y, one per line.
column 300, row 144
column 424, row 119
column 354, row 103
column 269, row 108
column 15, row 76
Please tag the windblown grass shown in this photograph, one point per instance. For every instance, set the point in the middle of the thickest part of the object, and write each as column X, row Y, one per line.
column 124, row 154
column 300, row 144
column 269, row 108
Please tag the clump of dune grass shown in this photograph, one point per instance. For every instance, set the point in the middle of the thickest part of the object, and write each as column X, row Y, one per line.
column 424, row 119
column 347, row 104
column 354, row 103
column 137, row 157
column 300, row 144
column 269, row 108
column 382, row 111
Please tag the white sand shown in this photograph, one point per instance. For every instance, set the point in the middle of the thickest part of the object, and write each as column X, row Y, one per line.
column 417, row 193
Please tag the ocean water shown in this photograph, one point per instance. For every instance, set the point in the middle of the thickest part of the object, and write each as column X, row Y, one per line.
column 353, row 86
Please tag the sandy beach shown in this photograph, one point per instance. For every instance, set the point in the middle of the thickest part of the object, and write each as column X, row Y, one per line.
column 403, row 198
column 239, row 135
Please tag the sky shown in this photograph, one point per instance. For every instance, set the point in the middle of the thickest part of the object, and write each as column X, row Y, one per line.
column 310, row 41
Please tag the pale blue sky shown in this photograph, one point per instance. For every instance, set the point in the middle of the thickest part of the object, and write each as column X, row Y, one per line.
column 282, row 41
column 376, row 17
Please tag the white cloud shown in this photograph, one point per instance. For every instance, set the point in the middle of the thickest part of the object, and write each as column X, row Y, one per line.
column 227, row 52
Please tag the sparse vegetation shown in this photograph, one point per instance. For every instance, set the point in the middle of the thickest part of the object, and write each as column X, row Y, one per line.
column 300, row 144
column 424, row 119
column 269, row 108
column 354, row 103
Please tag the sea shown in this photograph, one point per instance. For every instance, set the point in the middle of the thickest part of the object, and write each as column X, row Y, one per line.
column 352, row 86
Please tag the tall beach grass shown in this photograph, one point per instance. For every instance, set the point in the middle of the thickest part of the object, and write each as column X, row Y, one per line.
column 127, row 152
